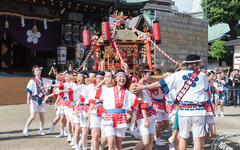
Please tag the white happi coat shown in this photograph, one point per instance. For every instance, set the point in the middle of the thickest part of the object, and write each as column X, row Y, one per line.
column 129, row 103
column 89, row 94
column 66, row 86
column 197, row 93
column 158, row 95
column 32, row 86
column 75, row 92
column 147, row 101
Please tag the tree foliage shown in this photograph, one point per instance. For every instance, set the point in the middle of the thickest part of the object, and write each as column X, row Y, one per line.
column 217, row 50
column 223, row 11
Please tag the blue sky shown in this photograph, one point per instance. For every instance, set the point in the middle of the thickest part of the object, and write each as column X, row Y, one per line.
column 184, row 5
column 188, row 6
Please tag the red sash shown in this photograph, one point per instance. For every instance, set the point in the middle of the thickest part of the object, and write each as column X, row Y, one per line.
column 187, row 86
column 118, row 103
column 150, row 95
column 61, row 88
column 211, row 107
column 42, row 90
column 156, row 93
column 98, row 93
column 97, row 96
column 182, row 92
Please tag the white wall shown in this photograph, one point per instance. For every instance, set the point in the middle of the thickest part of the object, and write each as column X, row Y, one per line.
column 236, row 61
column 212, row 63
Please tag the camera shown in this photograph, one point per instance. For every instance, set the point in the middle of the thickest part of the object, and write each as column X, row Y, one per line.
column 54, row 65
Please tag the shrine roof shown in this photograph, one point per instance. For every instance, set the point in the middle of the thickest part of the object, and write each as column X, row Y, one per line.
column 126, row 35
column 232, row 43
column 94, row 8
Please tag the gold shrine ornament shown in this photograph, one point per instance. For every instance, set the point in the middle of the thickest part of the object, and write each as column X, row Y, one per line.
column 6, row 25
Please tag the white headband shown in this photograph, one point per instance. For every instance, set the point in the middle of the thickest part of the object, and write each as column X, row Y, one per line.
column 41, row 68
column 193, row 61
column 99, row 75
column 83, row 75
column 122, row 73
column 92, row 73
column 112, row 72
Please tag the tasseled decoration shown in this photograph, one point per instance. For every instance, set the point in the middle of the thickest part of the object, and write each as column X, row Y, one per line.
column 6, row 26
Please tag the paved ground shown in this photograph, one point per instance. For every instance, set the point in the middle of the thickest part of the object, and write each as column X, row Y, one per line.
column 13, row 118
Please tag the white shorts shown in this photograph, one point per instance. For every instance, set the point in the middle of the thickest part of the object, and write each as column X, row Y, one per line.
column 172, row 118
column 65, row 110
column 146, row 131
column 60, row 110
column 219, row 97
column 207, row 126
column 95, row 121
column 102, row 125
column 209, row 119
column 83, row 121
column 76, row 119
column 34, row 107
column 118, row 132
column 197, row 123
column 161, row 116
column 71, row 114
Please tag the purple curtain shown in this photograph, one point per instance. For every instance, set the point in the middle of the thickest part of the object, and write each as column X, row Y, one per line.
column 43, row 40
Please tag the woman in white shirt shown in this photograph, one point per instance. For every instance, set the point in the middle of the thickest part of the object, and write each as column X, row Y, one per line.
column 117, row 101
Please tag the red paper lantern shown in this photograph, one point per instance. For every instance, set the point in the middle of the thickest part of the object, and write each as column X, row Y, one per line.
column 106, row 32
column 156, row 32
column 86, row 38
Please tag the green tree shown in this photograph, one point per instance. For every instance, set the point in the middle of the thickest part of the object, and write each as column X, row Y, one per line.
column 217, row 50
column 223, row 11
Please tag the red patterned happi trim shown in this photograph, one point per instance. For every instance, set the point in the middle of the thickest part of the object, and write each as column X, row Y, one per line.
column 171, row 107
column 119, row 103
column 117, row 118
column 159, row 106
column 149, row 113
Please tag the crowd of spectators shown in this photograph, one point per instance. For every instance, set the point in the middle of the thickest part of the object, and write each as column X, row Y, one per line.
column 225, row 85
